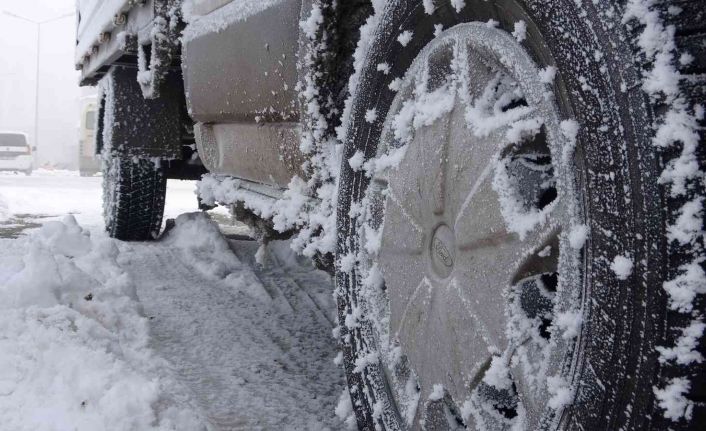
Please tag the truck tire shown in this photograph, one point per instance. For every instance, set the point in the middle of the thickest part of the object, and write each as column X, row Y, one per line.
column 139, row 140
column 509, row 218
column 134, row 191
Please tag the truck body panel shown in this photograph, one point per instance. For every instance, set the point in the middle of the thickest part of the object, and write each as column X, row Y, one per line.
column 238, row 62
column 246, row 71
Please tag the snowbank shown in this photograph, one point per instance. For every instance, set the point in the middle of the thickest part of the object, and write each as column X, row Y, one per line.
column 74, row 345
column 203, row 248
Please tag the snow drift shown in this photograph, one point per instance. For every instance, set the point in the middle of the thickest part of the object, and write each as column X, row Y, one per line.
column 74, row 348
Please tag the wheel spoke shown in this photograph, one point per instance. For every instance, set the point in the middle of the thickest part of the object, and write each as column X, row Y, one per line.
column 530, row 390
column 421, row 177
column 405, row 222
column 476, row 72
column 433, row 140
column 481, row 285
column 406, row 276
column 480, row 224
column 447, row 329
column 469, row 163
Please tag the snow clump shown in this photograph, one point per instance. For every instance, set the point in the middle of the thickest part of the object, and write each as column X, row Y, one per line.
column 422, row 110
column 577, row 236
column 203, row 247
column 683, row 289
column 672, row 399
column 498, row 374
column 405, row 37
column 384, row 68
column 437, row 392
column 685, row 351
column 356, row 160
column 547, row 74
column 520, row 31
column 569, row 323
column 561, row 392
column 428, row 6
column 458, row 5
column 344, row 410
column 622, row 267
column 310, row 25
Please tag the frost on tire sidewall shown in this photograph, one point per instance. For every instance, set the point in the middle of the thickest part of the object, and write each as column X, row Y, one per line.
column 134, row 191
column 611, row 373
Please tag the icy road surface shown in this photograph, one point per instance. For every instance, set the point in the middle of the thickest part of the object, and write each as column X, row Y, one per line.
column 185, row 333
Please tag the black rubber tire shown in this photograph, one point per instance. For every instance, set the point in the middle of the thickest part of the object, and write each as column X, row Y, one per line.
column 628, row 212
column 134, row 191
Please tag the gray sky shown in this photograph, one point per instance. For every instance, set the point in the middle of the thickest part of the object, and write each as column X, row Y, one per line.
column 59, row 94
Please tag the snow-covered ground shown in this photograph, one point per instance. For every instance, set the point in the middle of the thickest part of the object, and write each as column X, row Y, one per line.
column 52, row 194
column 187, row 332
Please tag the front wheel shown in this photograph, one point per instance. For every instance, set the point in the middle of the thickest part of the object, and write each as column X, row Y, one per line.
column 503, row 258
column 134, row 191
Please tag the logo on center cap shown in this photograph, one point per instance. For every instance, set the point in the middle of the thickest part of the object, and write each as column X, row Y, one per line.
column 442, row 249
column 443, row 253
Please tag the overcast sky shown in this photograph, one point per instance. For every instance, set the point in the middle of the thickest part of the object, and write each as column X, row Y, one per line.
column 59, row 94
column 39, row 10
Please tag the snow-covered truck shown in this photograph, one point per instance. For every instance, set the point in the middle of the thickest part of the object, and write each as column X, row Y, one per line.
column 509, row 192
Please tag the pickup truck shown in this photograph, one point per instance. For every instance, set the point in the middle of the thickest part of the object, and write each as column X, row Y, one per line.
column 509, row 193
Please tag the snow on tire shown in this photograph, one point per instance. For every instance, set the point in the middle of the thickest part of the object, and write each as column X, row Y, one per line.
column 518, row 219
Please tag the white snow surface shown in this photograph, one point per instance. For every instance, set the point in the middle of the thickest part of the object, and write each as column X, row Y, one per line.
column 51, row 194
column 73, row 361
column 254, row 343
column 183, row 333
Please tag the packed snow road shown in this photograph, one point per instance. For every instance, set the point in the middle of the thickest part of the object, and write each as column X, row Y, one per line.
column 188, row 332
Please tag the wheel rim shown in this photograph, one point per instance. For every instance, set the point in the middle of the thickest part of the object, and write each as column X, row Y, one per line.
column 469, row 233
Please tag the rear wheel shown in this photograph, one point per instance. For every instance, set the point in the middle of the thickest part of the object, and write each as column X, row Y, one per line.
column 134, row 191
column 139, row 140
column 499, row 264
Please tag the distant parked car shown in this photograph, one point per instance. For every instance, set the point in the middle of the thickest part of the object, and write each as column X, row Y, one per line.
column 15, row 152
column 88, row 162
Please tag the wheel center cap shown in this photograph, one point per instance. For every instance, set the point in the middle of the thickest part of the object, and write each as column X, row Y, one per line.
column 442, row 251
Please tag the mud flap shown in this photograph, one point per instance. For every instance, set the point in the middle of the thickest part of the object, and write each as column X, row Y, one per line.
column 130, row 125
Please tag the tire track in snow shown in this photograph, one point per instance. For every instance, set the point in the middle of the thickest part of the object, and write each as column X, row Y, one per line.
column 249, row 364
